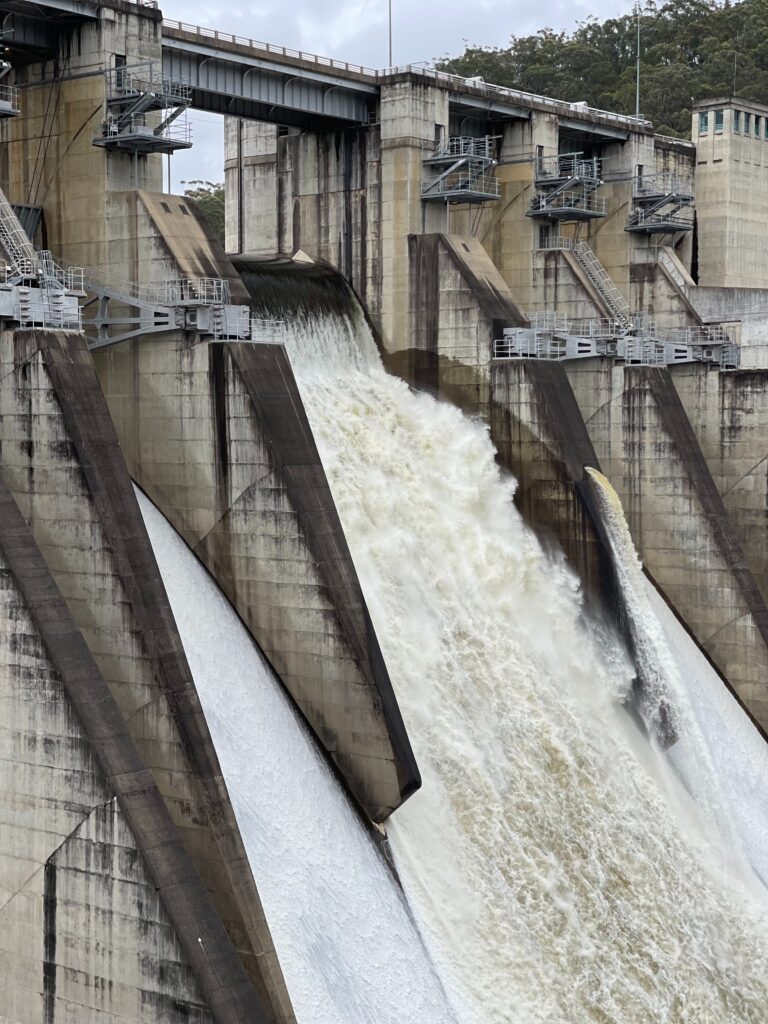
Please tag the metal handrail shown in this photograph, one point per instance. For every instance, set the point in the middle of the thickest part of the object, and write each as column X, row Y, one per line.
column 461, row 145
column 658, row 217
column 567, row 165
column 647, row 185
column 463, row 181
column 206, row 291
column 147, row 77
column 10, row 94
column 269, row 331
column 557, row 242
column 518, row 96
column 569, row 200
column 179, row 130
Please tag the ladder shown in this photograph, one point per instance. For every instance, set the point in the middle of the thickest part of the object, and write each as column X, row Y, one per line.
column 598, row 276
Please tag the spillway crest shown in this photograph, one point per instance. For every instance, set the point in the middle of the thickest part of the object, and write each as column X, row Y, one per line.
column 550, row 866
column 345, row 939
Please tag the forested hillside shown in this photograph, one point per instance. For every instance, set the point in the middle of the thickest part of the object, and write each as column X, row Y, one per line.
column 690, row 49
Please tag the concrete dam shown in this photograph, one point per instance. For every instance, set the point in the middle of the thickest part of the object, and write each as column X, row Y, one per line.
column 385, row 633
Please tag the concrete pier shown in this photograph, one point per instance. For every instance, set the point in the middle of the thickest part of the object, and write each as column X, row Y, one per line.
column 124, row 722
column 680, row 525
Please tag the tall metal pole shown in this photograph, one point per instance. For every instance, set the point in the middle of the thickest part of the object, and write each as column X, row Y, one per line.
column 390, row 33
column 637, row 82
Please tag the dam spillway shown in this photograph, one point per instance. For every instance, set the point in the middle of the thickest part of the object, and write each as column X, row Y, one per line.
column 384, row 628
column 348, row 946
column 532, row 853
column 552, row 842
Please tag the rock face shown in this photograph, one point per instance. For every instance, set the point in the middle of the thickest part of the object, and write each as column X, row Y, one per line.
column 126, row 891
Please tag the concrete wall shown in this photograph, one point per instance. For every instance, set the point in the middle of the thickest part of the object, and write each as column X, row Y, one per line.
column 95, row 686
column 223, row 447
column 729, row 414
column 224, row 450
column 47, row 157
column 316, row 192
column 732, row 200
column 64, row 471
column 350, row 198
column 648, row 450
column 746, row 309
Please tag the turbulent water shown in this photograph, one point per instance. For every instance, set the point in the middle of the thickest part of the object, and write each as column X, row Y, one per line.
column 559, row 871
column 348, row 947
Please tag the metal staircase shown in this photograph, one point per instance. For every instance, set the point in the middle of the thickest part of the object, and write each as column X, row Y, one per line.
column 614, row 302
column 566, row 187
column 39, row 291
column 19, row 250
column 657, row 202
column 457, row 171
column 146, row 111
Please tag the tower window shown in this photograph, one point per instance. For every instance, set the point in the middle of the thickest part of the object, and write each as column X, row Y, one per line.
column 718, row 121
column 703, row 124
column 737, row 120
column 747, row 123
column 757, row 126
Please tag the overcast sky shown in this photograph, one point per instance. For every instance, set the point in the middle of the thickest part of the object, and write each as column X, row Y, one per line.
column 356, row 30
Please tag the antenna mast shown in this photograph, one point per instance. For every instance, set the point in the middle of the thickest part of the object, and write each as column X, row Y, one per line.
column 637, row 82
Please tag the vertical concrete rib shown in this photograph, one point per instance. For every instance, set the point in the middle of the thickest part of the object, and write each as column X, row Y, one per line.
column 268, row 378
column 678, row 426
column 89, row 426
column 214, row 961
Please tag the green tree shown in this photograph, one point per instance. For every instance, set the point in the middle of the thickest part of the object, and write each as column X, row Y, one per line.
column 209, row 196
column 690, row 49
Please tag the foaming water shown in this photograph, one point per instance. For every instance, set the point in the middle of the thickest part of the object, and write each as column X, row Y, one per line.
column 348, row 947
column 547, row 858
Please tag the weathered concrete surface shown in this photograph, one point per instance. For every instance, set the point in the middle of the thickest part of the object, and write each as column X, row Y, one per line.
column 48, row 159
column 353, row 199
column 541, row 438
column 534, row 420
column 746, row 309
column 74, row 867
column 729, row 415
column 228, row 456
column 731, row 197
column 648, row 450
column 174, row 240
column 460, row 302
column 62, row 462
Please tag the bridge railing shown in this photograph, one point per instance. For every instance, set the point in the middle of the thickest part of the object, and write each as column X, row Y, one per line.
column 256, row 44
column 456, row 81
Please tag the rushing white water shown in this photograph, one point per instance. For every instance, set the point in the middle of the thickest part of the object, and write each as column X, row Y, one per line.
column 719, row 754
column 348, row 947
column 554, row 875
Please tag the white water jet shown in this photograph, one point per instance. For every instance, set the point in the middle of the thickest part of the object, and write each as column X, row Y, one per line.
column 348, row 947
column 720, row 755
column 551, row 870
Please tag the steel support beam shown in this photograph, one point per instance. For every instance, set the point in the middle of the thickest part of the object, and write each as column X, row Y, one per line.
column 226, row 83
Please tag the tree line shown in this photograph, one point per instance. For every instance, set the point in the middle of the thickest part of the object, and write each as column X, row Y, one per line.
column 689, row 50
